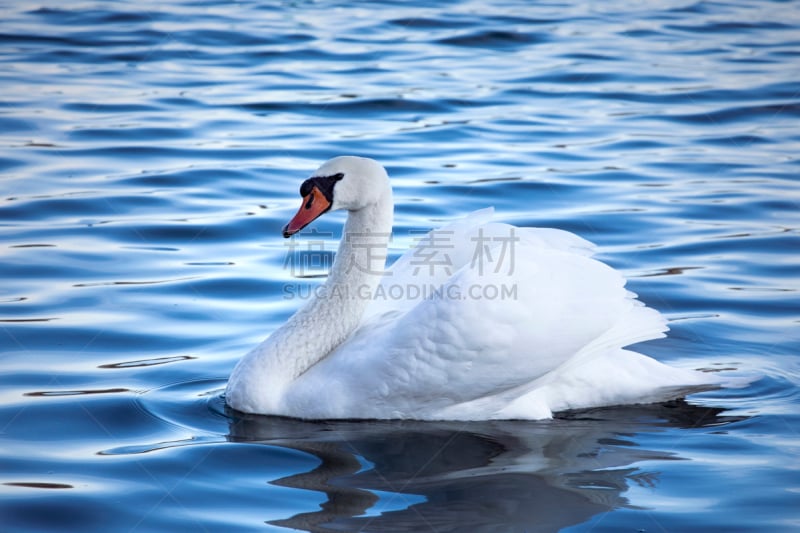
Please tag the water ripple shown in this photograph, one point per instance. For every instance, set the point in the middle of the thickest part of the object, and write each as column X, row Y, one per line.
column 151, row 153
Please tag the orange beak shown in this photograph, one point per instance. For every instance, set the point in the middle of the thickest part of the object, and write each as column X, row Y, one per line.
column 314, row 204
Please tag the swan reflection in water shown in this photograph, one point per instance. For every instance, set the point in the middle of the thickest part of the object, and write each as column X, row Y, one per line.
column 472, row 476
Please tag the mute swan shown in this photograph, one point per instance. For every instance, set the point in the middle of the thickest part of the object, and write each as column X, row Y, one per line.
column 433, row 338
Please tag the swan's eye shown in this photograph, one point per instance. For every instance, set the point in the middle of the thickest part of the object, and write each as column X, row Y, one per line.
column 323, row 184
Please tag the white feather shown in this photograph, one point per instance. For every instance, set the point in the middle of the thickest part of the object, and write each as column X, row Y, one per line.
column 430, row 343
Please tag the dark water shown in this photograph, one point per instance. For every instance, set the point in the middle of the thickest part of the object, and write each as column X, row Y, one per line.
column 151, row 152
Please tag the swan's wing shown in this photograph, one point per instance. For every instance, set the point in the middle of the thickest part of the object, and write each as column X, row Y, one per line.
column 467, row 343
column 471, row 241
column 429, row 263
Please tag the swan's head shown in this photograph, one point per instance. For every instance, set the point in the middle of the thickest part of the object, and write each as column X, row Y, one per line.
column 346, row 182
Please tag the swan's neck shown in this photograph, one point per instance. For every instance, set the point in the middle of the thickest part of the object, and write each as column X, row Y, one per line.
column 335, row 312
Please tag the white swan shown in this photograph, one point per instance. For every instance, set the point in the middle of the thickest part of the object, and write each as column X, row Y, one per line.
column 482, row 320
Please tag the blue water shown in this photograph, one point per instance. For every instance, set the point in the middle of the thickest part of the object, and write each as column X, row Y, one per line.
column 151, row 152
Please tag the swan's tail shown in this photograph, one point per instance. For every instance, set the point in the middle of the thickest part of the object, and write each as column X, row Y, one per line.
column 603, row 373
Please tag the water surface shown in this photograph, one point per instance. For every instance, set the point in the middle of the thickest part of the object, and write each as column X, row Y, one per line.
column 151, row 152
